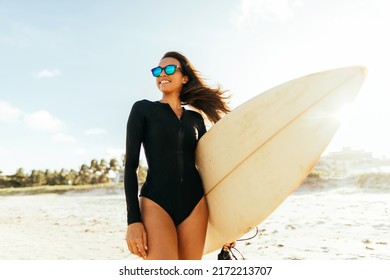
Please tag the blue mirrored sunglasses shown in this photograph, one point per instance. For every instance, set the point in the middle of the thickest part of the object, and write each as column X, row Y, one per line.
column 169, row 70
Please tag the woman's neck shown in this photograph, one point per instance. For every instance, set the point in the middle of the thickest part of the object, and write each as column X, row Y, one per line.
column 173, row 101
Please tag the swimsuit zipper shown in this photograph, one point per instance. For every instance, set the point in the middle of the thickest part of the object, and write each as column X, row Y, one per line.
column 180, row 152
column 180, row 144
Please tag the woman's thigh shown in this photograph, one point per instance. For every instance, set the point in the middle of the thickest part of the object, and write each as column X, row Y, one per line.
column 192, row 233
column 161, row 231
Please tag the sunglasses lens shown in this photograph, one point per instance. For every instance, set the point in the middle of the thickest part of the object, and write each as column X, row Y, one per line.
column 156, row 72
column 170, row 69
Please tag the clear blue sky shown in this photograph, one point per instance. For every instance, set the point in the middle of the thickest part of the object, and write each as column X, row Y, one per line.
column 71, row 70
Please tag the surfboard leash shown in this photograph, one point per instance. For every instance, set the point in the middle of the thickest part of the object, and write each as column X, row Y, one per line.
column 249, row 238
column 228, row 254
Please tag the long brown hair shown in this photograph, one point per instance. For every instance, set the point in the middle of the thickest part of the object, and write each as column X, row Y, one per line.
column 197, row 93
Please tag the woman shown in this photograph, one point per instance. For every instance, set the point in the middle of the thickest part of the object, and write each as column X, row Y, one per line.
column 170, row 219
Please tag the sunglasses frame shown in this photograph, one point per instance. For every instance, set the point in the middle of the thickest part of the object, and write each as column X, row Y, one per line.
column 164, row 69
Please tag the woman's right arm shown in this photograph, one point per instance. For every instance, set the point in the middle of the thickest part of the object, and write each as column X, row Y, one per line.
column 136, row 234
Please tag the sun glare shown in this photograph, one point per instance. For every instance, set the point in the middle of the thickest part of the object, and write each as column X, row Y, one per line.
column 345, row 113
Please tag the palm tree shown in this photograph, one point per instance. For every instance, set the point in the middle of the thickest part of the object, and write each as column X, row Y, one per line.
column 20, row 178
column 62, row 180
column 34, row 180
column 94, row 165
column 103, row 165
column 142, row 173
column 114, row 164
column 42, row 179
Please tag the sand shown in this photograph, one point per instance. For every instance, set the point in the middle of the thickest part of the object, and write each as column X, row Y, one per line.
column 327, row 223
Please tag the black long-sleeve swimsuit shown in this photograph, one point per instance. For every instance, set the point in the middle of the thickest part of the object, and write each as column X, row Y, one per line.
column 173, row 181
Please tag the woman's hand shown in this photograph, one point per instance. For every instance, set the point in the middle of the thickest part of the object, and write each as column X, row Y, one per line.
column 137, row 240
column 228, row 246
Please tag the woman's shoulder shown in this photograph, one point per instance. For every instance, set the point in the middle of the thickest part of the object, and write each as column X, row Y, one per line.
column 143, row 104
column 141, row 108
column 194, row 113
column 196, row 116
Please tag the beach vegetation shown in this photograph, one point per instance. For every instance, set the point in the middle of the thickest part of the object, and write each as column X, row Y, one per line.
column 97, row 172
column 373, row 180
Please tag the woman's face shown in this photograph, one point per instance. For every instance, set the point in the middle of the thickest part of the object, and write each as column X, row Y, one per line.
column 171, row 83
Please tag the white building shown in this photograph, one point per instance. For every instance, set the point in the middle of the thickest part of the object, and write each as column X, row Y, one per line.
column 350, row 162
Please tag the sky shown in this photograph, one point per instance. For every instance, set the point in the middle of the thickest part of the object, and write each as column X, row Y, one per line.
column 71, row 70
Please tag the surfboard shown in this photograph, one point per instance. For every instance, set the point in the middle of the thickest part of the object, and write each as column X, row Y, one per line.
column 258, row 154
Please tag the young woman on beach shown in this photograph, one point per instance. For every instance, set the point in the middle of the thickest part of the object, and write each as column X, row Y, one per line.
column 169, row 221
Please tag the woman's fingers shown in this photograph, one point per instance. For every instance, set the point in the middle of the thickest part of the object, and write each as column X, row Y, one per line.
column 228, row 246
column 145, row 240
column 141, row 250
column 136, row 239
column 137, row 248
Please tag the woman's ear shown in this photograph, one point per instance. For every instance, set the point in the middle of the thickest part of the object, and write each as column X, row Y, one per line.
column 185, row 79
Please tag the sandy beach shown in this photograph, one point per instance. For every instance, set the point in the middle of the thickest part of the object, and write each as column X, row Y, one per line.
column 331, row 222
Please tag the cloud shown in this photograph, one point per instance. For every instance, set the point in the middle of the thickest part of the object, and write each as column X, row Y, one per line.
column 8, row 113
column 63, row 138
column 95, row 131
column 253, row 12
column 40, row 121
column 43, row 121
column 48, row 73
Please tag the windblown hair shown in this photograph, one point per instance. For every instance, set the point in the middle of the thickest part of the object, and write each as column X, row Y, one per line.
column 197, row 93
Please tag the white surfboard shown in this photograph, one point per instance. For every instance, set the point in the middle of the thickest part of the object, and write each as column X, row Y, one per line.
column 258, row 154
